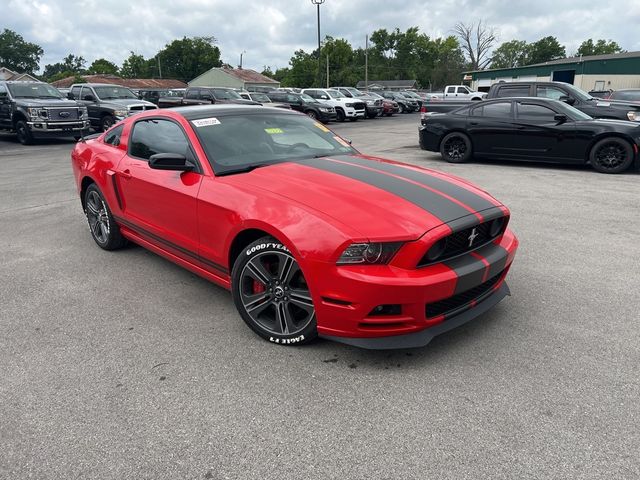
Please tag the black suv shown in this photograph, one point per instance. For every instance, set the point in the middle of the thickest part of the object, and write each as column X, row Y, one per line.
column 38, row 110
column 305, row 104
column 107, row 103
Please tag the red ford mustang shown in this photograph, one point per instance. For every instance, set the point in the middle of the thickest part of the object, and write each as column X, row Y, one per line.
column 311, row 237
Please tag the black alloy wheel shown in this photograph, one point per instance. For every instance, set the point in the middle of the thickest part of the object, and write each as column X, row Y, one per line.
column 103, row 228
column 312, row 114
column 340, row 114
column 272, row 295
column 107, row 122
column 455, row 148
column 23, row 133
column 611, row 155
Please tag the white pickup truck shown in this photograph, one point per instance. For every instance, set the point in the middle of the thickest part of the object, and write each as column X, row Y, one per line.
column 351, row 108
column 457, row 92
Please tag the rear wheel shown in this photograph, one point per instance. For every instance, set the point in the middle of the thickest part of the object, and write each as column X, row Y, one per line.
column 272, row 295
column 103, row 228
column 456, row 148
column 23, row 133
column 611, row 155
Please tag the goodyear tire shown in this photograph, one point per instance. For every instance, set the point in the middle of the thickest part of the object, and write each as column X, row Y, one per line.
column 456, row 148
column 271, row 294
column 104, row 230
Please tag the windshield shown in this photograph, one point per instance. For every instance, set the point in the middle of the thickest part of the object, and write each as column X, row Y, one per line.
column 236, row 143
column 222, row 94
column 336, row 94
column 571, row 112
column 411, row 94
column 576, row 92
column 307, row 98
column 260, row 97
column 112, row 93
column 374, row 95
column 630, row 95
column 33, row 90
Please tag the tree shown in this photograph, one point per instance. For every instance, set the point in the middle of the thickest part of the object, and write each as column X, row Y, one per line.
column 102, row 66
column 187, row 58
column 135, row 66
column 302, row 72
column 267, row 72
column 18, row 55
column 511, row 54
column 601, row 47
column 545, row 50
column 71, row 65
column 476, row 40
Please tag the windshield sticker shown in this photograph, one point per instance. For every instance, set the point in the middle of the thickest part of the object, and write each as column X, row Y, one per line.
column 341, row 141
column 205, row 122
column 273, row 131
column 603, row 104
column 321, row 127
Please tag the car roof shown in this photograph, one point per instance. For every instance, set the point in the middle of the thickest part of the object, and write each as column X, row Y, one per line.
column 195, row 112
column 98, row 85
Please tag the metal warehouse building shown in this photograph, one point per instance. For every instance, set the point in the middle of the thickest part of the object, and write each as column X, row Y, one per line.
column 596, row 72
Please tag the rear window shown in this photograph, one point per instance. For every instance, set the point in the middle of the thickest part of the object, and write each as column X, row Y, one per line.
column 513, row 91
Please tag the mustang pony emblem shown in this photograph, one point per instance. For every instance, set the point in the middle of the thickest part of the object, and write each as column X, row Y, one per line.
column 472, row 237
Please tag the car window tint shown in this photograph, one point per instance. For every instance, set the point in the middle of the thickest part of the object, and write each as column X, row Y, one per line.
column 632, row 95
column 551, row 92
column 519, row 91
column 85, row 91
column 192, row 93
column 75, row 91
column 539, row 113
column 113, row 136
column 157, row 136
column 495, row 110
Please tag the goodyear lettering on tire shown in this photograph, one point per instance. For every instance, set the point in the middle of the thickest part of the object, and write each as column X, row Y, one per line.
column 264, row 246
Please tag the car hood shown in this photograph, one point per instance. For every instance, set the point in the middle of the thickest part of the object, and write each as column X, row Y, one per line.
column 601, row 102
column 613, row 124
column 378, row 198
column 48, row 102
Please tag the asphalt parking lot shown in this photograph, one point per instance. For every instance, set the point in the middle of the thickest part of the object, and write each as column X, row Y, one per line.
column 124, row 366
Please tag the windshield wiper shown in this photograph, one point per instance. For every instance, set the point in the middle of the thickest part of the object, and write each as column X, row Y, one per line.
column 243, row 169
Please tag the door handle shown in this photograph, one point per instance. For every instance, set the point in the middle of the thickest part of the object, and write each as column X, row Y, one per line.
column 473, row 123
column 126, row 174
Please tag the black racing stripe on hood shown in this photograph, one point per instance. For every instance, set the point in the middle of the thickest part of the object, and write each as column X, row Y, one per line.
column 432, row 202
column 462, row 194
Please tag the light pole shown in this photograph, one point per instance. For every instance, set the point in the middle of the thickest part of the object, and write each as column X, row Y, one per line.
column 317, row 3
column 241, row 53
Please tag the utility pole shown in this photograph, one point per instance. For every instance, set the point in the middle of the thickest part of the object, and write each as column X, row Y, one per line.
column 317, row 3
column 327, row 70
column 159, row 67
column 366, row 62
column 241, row 53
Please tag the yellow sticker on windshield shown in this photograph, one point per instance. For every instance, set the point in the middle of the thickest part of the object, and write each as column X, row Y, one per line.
column 321, row 127
column 272, row 131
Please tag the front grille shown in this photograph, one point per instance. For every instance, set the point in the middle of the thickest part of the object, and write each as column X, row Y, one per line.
column 460, row 242
column 140, row 108
column 461, row 300
column 63, row 114
column 359, row 105
column 378, row 103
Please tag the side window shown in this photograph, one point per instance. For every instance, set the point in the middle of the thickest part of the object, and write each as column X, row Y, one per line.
column 463, row 90
column 537, row 113
column 3, row 92
column 86, row 91
column 113, row 136
column 494, row 110
column 292, row 98
column 312, row 93
column 451, row 89
column 513, row 91
column 75, row 91
column 206, row 95
column 192, row 93
column 551, row 92
column 157, row 136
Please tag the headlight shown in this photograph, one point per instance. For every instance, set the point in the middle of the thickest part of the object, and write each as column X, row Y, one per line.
column 36, row 113
column 84, row 113
column 121, row 113
column 633, row 116
column 369, row 253
column 370, row 102
column 322, row 109
column 349, row 104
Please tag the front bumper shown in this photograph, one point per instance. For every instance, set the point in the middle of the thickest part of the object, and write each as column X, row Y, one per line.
column 352, row 113
column 42, row 129
column 327, row 116
column 374, row 110
column 442, row 295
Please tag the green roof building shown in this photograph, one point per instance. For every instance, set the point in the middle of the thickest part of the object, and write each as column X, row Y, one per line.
column 596, row 72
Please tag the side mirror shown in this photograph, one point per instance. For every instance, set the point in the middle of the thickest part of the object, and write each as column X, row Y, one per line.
column 89, row 98
column 560, row 118
column 567, row 99
column 171, row 161
column 70, row 96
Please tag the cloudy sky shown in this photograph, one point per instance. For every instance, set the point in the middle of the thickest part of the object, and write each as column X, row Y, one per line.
column 270, row 31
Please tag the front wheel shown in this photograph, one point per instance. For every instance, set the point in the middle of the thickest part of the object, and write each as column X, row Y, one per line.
column 401, row 108
column 340, row 115
column 272, row 295
column 611, row 155
column 107, row 122
column 23, row 133
column 311, row 114
column 456, row 148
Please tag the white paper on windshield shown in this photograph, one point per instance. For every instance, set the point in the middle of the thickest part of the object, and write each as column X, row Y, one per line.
column 603, row 104
column 205, row 122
